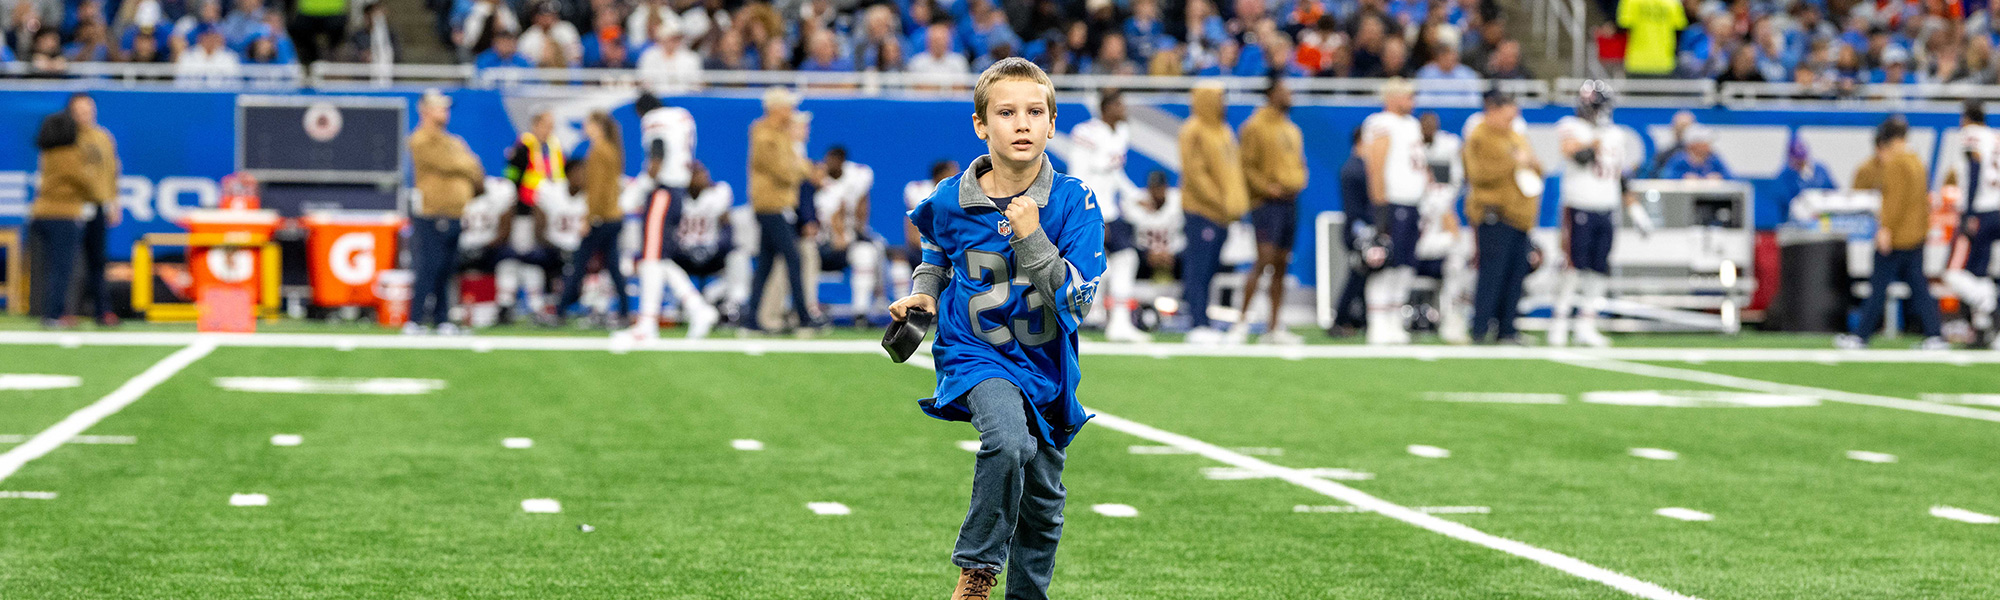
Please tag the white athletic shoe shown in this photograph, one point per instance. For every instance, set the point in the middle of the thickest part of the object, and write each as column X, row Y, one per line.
column 1126, row 332
column 1847, row 341
column 414, row 328
column 449, row 328
column 1204, row 336
column 1239, row 334
column 1589, row 336
column 639, row 333
column 1559, row 333
column 1281, row 337
column 1934, row 343
column 701, row 320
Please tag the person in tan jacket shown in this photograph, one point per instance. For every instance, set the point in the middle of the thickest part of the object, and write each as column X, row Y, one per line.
column 777, row 167
column 102, row 152
column 602, row 182
column 1274, row 171
column 1497, row 163
column 68, row 181
column 1213, row 194
column 448, row 175
column 1897, row 173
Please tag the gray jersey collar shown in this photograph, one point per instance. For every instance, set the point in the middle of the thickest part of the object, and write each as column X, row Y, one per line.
column 970, row 195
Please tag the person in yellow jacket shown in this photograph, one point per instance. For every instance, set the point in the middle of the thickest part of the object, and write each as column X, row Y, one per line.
column 1274, row 170
column 778, row 166
column 448, row 175
column 1213, row 194
column 100, row 150
column 1897, row 173
column 68, row 181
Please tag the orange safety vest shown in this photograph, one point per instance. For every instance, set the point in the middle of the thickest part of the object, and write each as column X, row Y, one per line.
column 540, row 166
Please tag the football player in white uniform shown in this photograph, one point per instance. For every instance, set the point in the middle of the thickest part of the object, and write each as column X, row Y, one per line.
column 1444, row 251
column 1097, row 156
column 1970, row 275
column 1597, row 164
column 1157, row 226
column 846, row 242
column 1398, row 175
column 902, row 260
column 668, row 133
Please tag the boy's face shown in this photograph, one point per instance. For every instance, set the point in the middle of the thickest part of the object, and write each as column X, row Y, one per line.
column 1018, row 121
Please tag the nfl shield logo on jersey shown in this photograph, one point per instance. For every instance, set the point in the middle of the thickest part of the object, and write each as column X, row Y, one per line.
column 1005, row 228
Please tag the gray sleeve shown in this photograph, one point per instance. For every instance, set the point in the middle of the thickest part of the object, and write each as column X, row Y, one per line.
column 929, row 279
column 1038, row 258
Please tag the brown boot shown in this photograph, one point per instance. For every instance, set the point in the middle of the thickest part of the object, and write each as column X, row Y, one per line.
column 974, row 584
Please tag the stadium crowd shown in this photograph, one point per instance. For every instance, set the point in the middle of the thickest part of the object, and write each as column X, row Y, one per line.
column 672, row 41
column 1827, row 47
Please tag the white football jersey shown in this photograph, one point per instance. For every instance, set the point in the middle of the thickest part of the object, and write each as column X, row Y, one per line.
column 1405, row 173
column 1596, row 186
column 565, row 217
column 1983, row 142
column 674, row 127
column 1446, row 159
column 481, row 220
column 1097, row 157
column 1157, row 229
column 703, row 218
column 916, row 192
column 843, row 195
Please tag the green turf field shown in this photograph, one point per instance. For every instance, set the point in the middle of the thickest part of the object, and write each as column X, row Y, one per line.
column 414, row 496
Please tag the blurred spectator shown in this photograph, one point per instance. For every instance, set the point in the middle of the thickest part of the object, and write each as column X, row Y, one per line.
column 1698, row 159
column 145, row 49
column 728, row 55
column 502, row 53
column 549, row 40
column 1205, row 29
column 1506, row 62
column 1318, row 44
column 318, row 27
column 1228, row 57
column 145, row 22
column 1444, row 65
column 1895, row 68
column 1369, row 38
column 1801, row 173
column 646, row 19
column 1280, row 60
column 1742, row 67
column 90, row 44
column 989, row 29
column 775, row 56
column 241, row 22
column 668, row 67
column 22, row 23
column 879, row 29
column 606, row 30
column 1683, row 121
column 993, row 54
column 1704, row 51
column 206, row 14
column 1485, row 35
column 485, row 19
column 263, row 50
column 1111, row 57
column 823, row 54
column 1395, row 59
column 374, row 41
column 1167, row 62
column 1650, row 50
column 1144, row 32
column 209, row 62
column 937, row 57
column 45, row 55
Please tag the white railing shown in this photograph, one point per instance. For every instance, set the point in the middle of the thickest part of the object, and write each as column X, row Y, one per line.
column 1646, row 92
column 1561, row 23
column 99, row 74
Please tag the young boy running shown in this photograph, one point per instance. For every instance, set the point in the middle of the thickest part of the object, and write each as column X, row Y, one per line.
column 1012, row 251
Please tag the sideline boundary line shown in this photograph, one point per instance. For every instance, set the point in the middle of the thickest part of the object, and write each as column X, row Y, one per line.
column 479, row 343
column 82, row 420
column 1772, row 387
column 1369, row 502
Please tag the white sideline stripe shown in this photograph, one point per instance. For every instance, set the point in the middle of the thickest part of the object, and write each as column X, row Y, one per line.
column 1873, row 457
column 28, row 495
column 1428, row 451
column 1963, row 516
column 517, row 443
column 1684, row 514
column 287, row 439
column 1236, row 474
column 1115, row 510
column 1429, row 510
column 1758, row 385
column 595, row 344
column 1173, row 450
column 1698, row 399
column 82, row 420
column 122, row 440
column 1655, row 454
column 541, row 505
column 249, row 500
column 834, row 509
column 1556, row 560
column 1966, row 399
column 746, row 445
column 26, row 381
column 375, row 386
column 1495, row 397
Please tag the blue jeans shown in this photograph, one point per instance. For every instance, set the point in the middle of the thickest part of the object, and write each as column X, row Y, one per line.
column 1503, row 264
column 434, row 245
column 1906, row 266
column 1017, row 494
column 602, row 240
column 1199, row 263
column 55, row 243
column 777, row 238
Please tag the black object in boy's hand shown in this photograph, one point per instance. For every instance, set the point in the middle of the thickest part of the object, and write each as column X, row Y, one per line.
column 903, row 337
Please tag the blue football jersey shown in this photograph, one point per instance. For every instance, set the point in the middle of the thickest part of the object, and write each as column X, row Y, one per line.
column 1010, row 310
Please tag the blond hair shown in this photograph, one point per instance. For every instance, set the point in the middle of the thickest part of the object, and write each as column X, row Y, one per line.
column 1009, row 69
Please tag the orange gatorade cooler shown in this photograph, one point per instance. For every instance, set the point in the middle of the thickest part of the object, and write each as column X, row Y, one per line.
column 394, row 288
column 226, row 254
column 348, row 250
column 239, row 192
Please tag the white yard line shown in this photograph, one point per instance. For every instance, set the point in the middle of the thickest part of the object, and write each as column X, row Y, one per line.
column 1162, row 350
column 82, row 420
column 1366, row 501
column 1768, row 387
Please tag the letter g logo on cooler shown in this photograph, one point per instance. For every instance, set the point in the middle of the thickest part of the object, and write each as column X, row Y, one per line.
column 351, row 259
column 232, row 265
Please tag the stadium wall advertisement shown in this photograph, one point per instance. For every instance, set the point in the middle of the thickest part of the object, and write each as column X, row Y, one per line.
column 176, row 145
